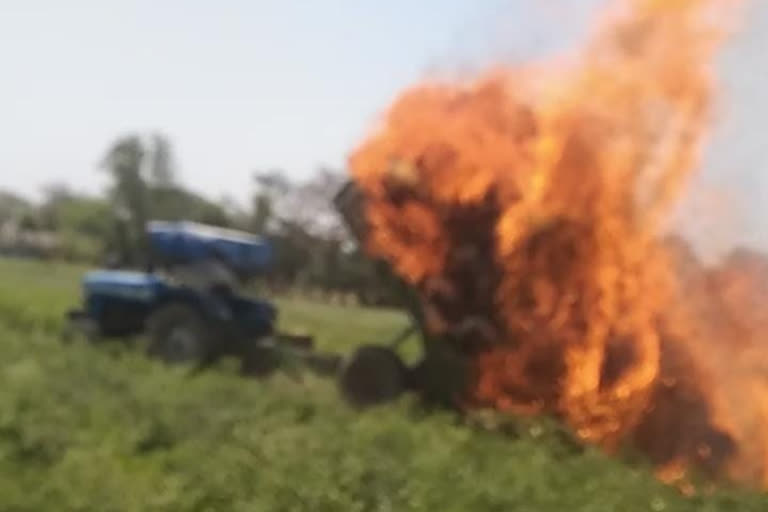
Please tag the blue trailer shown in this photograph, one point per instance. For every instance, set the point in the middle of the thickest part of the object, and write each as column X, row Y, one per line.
column 186, row 303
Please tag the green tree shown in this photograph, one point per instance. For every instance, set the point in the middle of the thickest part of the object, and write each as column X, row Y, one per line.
column 162, row 167
column 175, row 203
column 83, row 224
column 125, row 163
column 271, row 186
column 12, row 206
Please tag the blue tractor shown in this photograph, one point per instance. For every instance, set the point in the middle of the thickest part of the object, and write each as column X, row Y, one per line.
column 185, row 303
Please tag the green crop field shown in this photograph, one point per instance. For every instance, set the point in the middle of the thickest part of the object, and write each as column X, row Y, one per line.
column 101, row 428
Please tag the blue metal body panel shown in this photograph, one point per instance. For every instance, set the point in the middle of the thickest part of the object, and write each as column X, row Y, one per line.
column 188, row 242
column 120, row 302
column 138, row 286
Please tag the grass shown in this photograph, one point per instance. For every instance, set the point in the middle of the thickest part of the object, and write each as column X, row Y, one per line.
column 86, row 428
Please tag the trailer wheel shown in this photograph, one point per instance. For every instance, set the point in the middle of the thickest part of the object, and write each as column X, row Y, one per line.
column 373, row 375
column 178, row 335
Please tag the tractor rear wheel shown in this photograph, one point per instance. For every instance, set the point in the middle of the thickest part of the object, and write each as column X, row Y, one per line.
column 373, row 375
column 178, row 335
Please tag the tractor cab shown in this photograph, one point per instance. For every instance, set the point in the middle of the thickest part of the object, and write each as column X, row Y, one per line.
column 200, row 256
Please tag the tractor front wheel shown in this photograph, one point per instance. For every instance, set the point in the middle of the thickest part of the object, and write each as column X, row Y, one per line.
column 178, row 335
column 373, row 375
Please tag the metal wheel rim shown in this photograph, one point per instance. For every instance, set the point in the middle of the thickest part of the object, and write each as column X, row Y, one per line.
column 181, row 345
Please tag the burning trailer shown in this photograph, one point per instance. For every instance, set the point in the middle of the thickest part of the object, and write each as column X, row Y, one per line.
column 525, row 212
column 376, row 373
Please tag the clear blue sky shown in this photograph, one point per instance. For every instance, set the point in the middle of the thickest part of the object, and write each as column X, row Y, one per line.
column 236, row 84
column 245, row 84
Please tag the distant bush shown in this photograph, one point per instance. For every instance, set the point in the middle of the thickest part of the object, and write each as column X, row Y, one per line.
column 76, row 247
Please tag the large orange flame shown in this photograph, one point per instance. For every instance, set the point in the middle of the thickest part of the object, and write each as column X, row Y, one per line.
column 534, row 198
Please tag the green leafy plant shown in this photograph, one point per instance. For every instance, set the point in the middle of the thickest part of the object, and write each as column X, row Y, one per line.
column 84, row 428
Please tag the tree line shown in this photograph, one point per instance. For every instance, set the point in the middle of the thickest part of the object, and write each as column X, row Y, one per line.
column 313, row 250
